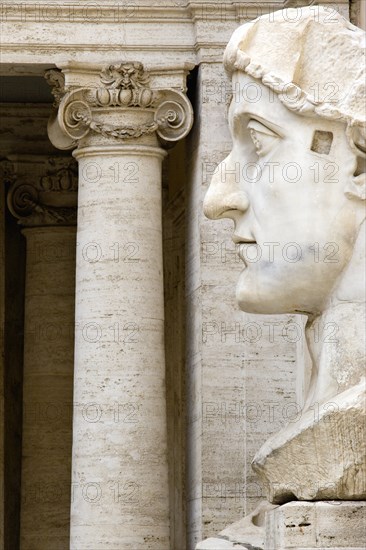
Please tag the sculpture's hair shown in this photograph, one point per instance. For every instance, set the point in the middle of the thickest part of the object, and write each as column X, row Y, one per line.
column 295, row 52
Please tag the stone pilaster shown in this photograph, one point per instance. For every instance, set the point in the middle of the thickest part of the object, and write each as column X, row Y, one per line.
column 43, row 197
column 118, row 121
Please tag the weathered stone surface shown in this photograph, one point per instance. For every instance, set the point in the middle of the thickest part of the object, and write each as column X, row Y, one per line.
column 250, row 530
column 215, row 543
column 319, row 458
column 317, row 525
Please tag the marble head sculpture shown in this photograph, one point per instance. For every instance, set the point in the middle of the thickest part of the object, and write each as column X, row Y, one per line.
column 297, row 119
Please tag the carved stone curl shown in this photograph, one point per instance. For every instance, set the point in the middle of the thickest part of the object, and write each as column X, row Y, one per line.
column 174, row 115
column 48, row 199
column 123, row 87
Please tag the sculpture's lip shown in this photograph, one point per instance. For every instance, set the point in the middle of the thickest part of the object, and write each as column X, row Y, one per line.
column 238, row 239
column 242, row 246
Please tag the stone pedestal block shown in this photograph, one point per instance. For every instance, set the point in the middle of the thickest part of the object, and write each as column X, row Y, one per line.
column 336, row 470
column 215, row 543
column 339, row 525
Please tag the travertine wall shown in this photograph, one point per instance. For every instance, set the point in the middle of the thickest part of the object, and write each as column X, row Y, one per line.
column 241, row 369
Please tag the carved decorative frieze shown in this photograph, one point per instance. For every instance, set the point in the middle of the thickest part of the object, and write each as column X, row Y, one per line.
column 124, row 85
column 44, row 194
column 61, row 175
column 121, row 88
column 125, row 76
column 127, row 85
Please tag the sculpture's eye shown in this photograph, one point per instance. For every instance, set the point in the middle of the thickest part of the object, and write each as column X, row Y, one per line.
column 262, row 137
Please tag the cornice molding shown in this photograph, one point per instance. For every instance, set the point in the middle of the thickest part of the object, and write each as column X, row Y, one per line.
column 109, row 11
column 91, row 12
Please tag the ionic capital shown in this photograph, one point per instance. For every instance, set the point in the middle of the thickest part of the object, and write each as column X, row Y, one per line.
column 42, row 191
column 117, row 103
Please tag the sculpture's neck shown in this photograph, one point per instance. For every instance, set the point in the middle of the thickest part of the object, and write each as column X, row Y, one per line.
column 336, row 337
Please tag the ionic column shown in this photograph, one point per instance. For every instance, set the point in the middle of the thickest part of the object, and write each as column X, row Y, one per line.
column 43, row 198
column 120, row 473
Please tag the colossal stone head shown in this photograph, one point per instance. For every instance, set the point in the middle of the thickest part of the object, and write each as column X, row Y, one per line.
column 294, row 182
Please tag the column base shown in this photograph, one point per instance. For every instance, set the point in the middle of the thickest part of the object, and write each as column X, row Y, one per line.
column 302, row 525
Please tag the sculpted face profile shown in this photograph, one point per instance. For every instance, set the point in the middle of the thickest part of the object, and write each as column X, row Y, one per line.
column 295, row 189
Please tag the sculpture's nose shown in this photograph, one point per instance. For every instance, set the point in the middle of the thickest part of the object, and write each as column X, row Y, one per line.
column 224, row 194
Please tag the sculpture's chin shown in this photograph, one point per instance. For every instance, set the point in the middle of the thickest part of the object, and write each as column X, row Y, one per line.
column 250, row 306
column 250, row 302
column 253, row 297
column 268, row 289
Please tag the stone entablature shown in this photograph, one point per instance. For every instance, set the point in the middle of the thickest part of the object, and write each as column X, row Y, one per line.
column 186, row 31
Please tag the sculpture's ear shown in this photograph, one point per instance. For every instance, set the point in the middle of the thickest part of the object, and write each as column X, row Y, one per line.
column 356, row 189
